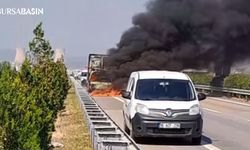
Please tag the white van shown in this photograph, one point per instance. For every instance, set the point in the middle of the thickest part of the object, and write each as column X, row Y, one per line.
column 162, row 104
column 82, row 76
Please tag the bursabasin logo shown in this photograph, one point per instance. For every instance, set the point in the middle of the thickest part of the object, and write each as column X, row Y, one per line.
column 21, row 11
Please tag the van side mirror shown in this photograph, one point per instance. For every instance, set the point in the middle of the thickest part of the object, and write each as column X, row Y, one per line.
column 126, row 94
column 201, row 96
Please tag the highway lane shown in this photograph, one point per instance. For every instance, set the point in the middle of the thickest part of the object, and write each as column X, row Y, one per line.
column 226, row 126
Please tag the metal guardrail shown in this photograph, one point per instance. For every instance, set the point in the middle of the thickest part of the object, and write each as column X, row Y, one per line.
column 231, row 91
column 105, row 134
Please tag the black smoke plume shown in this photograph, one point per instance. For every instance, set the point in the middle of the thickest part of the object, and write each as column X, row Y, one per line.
column 182, row 34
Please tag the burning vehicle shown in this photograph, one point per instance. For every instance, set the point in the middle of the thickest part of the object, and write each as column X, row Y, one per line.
column 95, row 68
column 98, row 81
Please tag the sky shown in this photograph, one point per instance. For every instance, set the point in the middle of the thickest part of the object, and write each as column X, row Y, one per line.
column 79, row 27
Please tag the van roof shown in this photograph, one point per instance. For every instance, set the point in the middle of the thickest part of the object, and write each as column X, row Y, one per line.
column 157, row 74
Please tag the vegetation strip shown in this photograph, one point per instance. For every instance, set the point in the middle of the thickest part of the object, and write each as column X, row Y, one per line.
column 31, row 95
column 71, row 130
column 237, row 81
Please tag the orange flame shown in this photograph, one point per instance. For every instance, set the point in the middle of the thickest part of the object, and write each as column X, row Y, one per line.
column 93, row 78
column 106, row 92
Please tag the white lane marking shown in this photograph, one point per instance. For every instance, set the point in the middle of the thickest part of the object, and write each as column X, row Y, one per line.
column 212, row 110
column 211, row 147
column 119, row 99
column 230, row 101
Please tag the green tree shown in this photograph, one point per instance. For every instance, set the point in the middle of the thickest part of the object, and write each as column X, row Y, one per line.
column 20, row 123
column 239, row 81
column 201, row 78
column 31, row 98
column 1, row 138
column 52, row 83
column 39, row 47
column 5, row 75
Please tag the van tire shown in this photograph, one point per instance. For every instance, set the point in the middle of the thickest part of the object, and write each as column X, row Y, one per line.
column 135, row 138
column 196, row 141
column 126, row 129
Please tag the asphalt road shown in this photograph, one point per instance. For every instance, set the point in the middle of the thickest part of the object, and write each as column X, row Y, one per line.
column 226, row 126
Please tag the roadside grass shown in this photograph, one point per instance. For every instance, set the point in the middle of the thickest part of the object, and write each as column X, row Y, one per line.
column 71, row 128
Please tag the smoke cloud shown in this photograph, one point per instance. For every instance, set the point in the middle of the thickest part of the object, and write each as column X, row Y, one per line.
column 182, row 34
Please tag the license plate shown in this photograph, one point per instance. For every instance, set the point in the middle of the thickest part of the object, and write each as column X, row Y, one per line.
column 170, row 125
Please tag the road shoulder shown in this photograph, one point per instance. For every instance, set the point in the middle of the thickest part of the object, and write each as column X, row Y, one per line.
column 70, row 128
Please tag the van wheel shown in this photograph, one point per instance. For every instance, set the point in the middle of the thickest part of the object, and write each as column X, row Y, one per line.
column 126, row 129
column 196, row 141
column 136, row 139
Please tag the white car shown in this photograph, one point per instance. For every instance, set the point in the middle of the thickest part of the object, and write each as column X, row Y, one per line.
column 82, row 76
column 162, row 104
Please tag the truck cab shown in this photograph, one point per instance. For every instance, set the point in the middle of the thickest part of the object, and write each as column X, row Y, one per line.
column 162, row 104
